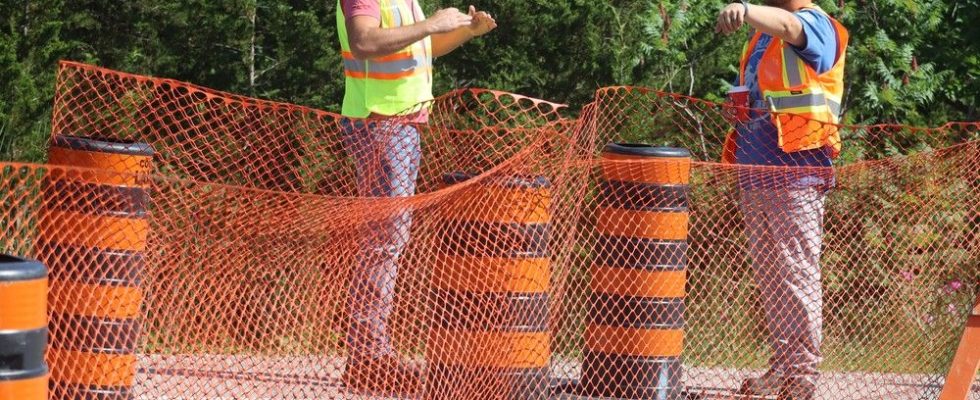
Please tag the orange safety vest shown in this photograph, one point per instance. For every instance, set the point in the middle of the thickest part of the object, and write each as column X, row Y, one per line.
column 793, row 89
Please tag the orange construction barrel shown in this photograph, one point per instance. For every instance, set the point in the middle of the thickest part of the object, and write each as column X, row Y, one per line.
column 634, row 336
column 93, row 232
column 489, row 335
column 23, row 329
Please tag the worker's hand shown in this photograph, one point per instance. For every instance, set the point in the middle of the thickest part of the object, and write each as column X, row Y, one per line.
column 730, row 19
column 447, row 20
column 482, row 23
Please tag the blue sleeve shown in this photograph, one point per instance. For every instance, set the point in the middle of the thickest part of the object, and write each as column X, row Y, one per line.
column 821, row 40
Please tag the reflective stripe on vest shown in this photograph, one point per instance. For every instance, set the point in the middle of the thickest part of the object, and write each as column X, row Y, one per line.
column 386, row 68
column 807, row 103
column 804, row 103
column 793, row 68
column 789, row 85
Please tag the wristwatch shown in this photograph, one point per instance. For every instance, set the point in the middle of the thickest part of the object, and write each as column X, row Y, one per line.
column 745, row 3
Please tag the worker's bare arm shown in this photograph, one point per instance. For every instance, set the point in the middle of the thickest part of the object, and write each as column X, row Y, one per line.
column 774, row 21
column 445, row 43
column 369, row 40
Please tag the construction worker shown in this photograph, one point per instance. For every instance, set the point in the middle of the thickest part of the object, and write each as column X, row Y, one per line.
column 793, row 64
column 388, row 46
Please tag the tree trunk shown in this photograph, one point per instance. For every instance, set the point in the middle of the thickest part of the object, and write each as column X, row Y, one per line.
column 251, row 50
column 27, row 17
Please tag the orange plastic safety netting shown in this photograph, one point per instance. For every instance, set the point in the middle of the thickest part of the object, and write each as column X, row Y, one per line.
column 850, row 277
column 204, row 245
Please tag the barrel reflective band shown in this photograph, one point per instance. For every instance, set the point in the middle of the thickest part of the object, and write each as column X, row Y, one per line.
column 642, row 224
column 656, row 165
column 498, row 274
column 637, row 282
column 503, row 200
column 23, row 294
column 117, row 302
column 634, row 342
column 105, row 371
column 505, row 350
column 111, row 163
column 25, row 389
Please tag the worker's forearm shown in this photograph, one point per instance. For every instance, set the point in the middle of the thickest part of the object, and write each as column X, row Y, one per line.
column 776, row 22
column 444, row 43
column 380, row 42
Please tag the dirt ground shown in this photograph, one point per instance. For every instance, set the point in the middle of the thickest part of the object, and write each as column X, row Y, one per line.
column 214, row 377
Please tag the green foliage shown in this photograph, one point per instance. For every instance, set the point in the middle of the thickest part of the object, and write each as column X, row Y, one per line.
column 563, row 51
column 913, row 62
column 284, row 50
column 30, row 45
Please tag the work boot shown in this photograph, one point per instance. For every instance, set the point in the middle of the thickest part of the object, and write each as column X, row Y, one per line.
column 797, row 389
column 386, row 376
column 769, row 384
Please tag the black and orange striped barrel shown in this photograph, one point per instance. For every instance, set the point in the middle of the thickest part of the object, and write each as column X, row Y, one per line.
column 635, row 332
column 489, row 336
column 23, row 329
column 93, row 233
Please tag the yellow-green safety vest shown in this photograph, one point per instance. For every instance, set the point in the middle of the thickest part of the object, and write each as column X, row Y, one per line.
column 391, row 84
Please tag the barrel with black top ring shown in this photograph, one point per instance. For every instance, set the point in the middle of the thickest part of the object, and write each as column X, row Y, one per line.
column 635, row 331
column 93, row 233
column 23, row 329
column 489, row 335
